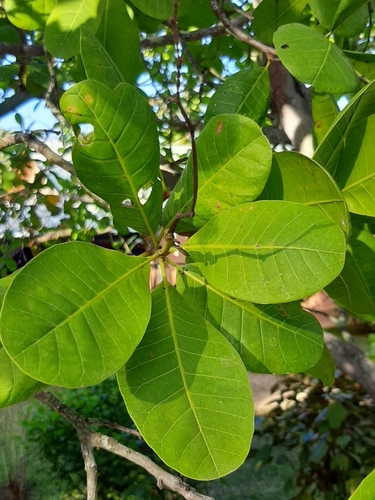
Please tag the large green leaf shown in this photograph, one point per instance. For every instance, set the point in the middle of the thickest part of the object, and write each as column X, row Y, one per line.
column 363, row 63
column 365, row 490
column 120, row 37
column 97, row 62
column 324, row 111
column 361, row 106
column 356, row 175
column 328, row 70
column 122, row 155
column 245, row 93
column 295, row 177
column 269, row 251
column 75, row 314
column 61, row 35
column 234, row 161
column 278, row 338
column 334, row 13
column 271, row 14
column 15, row 386
column 324, row 368
column 199, row 15
column 187, row 391
column 161, row 9
column 29, row 14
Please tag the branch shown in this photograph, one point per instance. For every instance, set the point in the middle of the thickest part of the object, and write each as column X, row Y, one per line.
column 94, row 439
column 231, row 28
column 18, row 50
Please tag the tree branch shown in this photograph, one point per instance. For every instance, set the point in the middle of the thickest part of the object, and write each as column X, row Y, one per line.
column 18, row 50
column 92, row 439
column 231, row 28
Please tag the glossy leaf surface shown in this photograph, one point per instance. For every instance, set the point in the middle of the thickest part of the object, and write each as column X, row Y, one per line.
column 119, row 35
column 187, row 391
column 234, row 161
column 122, row 154
column 328, row 70
column 365, row 490
column 361, row 106
column 269, row 251
column 278, row 338
column 29, row 14
column 75, row 314
column 245, row 93
column 356, row 175
column 62, row 30
column 271, row 14
column 295, row 177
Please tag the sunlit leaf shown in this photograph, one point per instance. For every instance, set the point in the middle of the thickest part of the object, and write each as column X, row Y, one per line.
column 328, row 71
column 234, row 161
column 245, row 93
column 187, row 391
column 361, row 106
column 356, row 175
column 278, row 338
column 29, row 14
column 269, row 251
column 271, row 14
column 75, row 314
column 364, row 63
column 365, row 490
column 61, row 35
column 122, row 155
column 295, row 177
column 120, row 37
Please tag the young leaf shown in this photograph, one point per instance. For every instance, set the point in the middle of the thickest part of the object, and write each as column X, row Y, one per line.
column 324, row 368
column 269, row 251
column 61, row 35
column 245, row 93
column 295, row 177
column 356, row 175
column 29, row 14
column 365, row 490
column 278, row 338
column 328, row 70
column 120, row 37
column 97, row 62
column 234, row 161
column 122, row 155
column 187, row 391
column 271, row 14
column 361, row 106
column 75, row 314
column 15, row 386
column 161, row 9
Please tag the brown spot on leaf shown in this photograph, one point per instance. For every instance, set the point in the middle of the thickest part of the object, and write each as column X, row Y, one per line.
column 219, row 127
column 89, row 98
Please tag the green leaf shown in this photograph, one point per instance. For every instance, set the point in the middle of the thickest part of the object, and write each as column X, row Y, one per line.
column 363, row 63
column 61, row 35
column 365, row 490
column 187, row 391
column 161, row 9
column 328, row 70
column 356, row 175
column 120, row 37
column 29, row 14
column 278, row 338
column 336, row 415
column 199, row 15
column 324, row 111
column 246, row 93
column 15, row 386
column 355, row 24
column 75, row 314
column 271, row 14
column 97, row 62
column 361, row 106
column 234, row 161
column 295, row 177
column 334, row 13
column 122, row 155
column 269, row 251
column 324, row 368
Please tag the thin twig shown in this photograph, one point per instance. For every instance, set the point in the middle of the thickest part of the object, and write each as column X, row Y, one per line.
column 113, row 425
column 177, row 99
column 52, row 87
column 370, row 12
column 19, row 50
column 96, row 440
column 270, row 52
